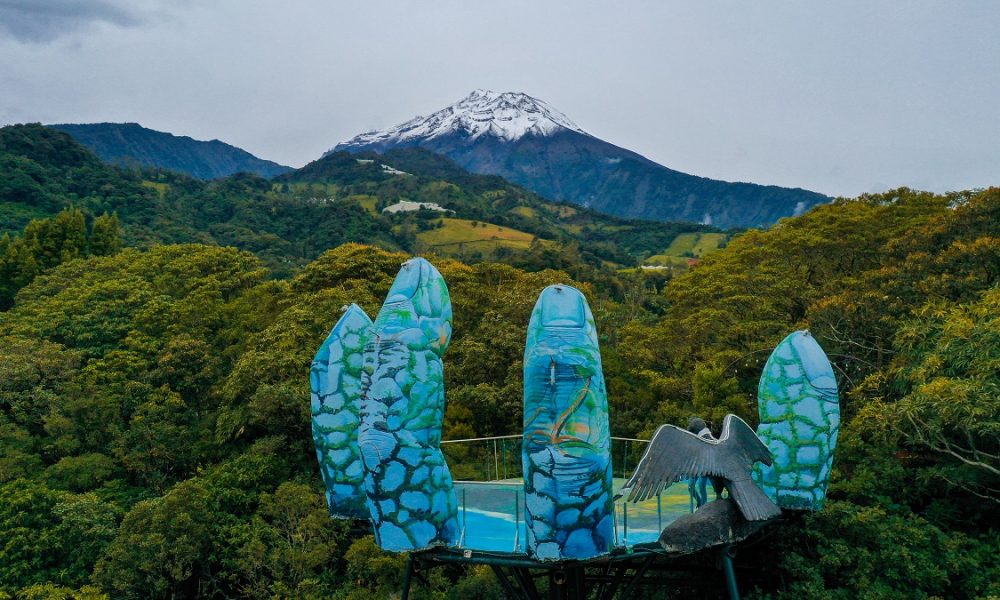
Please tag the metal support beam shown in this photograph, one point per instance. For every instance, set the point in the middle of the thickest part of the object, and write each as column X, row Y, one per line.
column 617, row 576
column 407, row 575
column 505, row 583
column 627, row 592
column 579, row 587
column 616, row 582
column 730, row 572
column 527, row 582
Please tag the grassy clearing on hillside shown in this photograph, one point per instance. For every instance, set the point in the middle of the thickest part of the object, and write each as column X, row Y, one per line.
column 708, row 243
column 684, row 242
column 463, row 231
column 687, row 246
column 367, row 202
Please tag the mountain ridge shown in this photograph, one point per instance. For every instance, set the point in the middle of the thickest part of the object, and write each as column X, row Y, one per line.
column 557, row 159
column 128, row 144
column 340, row 198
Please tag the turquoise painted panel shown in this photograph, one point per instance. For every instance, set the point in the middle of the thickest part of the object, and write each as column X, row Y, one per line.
column 799, row 421
column 409, row 488
column 335, row 381
column 567, row 443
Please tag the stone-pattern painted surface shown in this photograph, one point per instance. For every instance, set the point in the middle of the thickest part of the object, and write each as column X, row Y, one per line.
column 799, row 421
column 335, row 379
column 411, row 498
column 567, row 443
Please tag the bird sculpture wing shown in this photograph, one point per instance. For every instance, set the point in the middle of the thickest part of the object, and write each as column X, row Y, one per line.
column 675, row 454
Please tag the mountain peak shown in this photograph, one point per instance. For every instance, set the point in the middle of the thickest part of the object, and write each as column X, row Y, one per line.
column 508, row 116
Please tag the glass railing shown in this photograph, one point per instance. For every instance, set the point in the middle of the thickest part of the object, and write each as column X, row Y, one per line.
column 487, row 474
column 498, row 458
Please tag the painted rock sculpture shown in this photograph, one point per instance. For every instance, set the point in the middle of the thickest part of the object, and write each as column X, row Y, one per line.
column 567, row 445
column 335, row 379
column 410, row 494
column 799, row 422
column 718, row 522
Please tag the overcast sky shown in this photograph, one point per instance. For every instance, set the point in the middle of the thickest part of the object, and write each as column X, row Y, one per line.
column 838, row 97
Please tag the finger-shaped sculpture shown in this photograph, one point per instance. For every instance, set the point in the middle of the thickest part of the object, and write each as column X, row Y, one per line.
column 799, row 422
column 567, row 444
column 410, row 494
column 335, row 379
column 675, row 454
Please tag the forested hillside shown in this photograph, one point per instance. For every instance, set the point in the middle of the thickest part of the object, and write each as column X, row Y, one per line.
column 154, row 420
column 131, row 144
column 291, row 220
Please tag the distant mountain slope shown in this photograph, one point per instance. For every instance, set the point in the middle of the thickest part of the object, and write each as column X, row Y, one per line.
column 486, row 198
column 292, row 218
column 130, row 143
column 528, row 142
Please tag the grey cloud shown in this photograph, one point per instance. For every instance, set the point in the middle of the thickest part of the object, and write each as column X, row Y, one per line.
column 42, row 21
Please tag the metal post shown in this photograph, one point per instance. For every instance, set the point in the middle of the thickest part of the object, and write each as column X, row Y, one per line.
column 614, row 522
column 625, row 523
column 503, row 449
column 517, row 520
column 730, row 572
column 625, row 462
column 461, row 540
column 404, row 594
column 496, row 460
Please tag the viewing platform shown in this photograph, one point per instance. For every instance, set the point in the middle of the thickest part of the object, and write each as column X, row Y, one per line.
column 491, row 495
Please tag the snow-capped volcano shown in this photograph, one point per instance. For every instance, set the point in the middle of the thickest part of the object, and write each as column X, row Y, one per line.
column 507, row 116
column 530, row 143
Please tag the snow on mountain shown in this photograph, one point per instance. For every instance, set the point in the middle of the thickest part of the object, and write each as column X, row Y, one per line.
column 530, row 143
column 508, row 116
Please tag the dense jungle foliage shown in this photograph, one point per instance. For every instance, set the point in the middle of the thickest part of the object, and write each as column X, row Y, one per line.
column 154, row 421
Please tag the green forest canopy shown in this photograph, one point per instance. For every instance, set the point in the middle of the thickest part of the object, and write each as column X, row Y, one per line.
column 154, row 421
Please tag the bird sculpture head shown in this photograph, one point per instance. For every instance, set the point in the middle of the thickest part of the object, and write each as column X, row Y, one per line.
column 698, row 426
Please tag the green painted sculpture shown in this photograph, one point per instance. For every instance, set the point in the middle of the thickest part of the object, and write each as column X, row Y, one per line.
column 411, row 498
column 799, row 422
column 335, row 379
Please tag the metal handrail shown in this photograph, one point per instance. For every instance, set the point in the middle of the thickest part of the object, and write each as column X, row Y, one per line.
column 510, row 437
column 494, row 462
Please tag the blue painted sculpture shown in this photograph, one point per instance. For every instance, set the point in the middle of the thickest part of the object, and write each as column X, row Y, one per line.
column 567, row 443
column 335, row 379
column 411, row 498
column 799, row 422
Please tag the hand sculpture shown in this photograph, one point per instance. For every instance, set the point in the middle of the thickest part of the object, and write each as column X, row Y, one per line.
column 567, row 442
column 410, row 493
column 799, row 422
column 335, row 379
